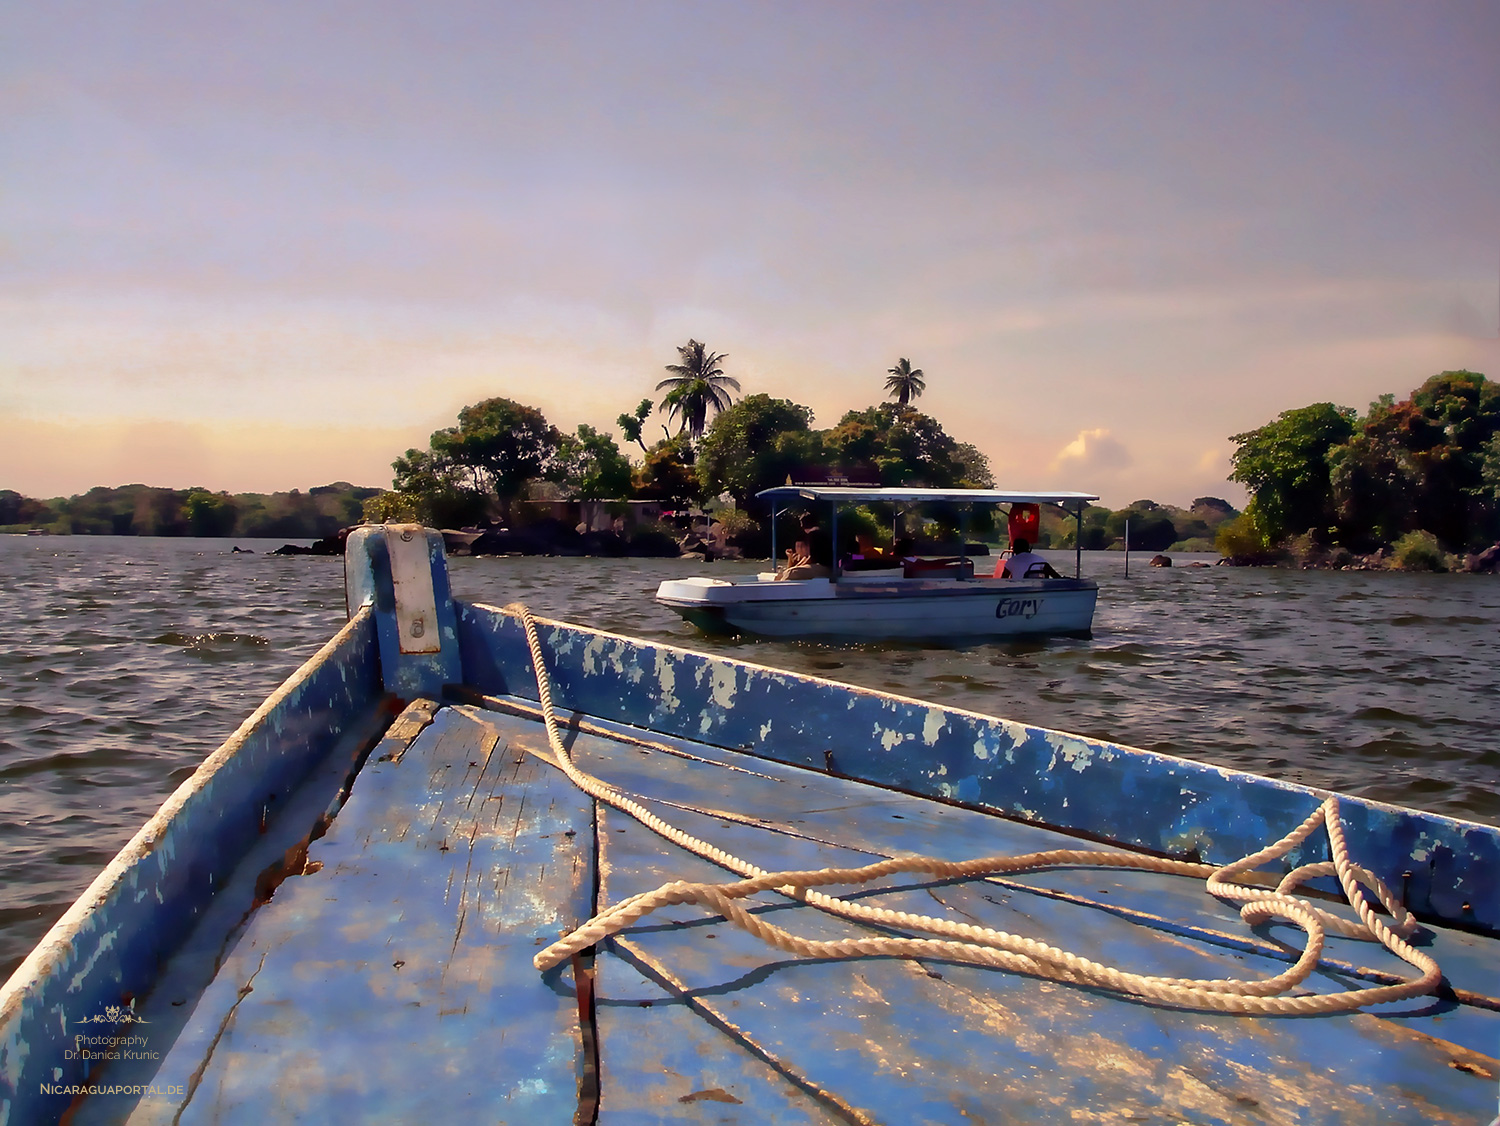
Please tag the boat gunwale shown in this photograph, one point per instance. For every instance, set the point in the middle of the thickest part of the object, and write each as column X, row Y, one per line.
column 1197, row 764
column 77, row 943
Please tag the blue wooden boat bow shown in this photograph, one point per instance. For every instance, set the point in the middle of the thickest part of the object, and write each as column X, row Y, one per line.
column 340, row 916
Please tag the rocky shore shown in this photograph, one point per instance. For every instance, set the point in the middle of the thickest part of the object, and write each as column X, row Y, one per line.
column 1486, row 562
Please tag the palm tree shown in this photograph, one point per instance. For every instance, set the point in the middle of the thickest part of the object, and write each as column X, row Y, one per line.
column 696, row 385
column 906, row 382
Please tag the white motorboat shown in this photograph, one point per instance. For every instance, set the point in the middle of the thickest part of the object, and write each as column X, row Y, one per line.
column 910, row 599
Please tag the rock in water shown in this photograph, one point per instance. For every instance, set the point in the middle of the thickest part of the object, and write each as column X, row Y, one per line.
column 1487, row 562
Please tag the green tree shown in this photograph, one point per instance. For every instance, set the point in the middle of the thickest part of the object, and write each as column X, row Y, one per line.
column 1420, row 464
column 667, row 475
column 973, row 466
column 1418, row 551
column 1241, row 539
column 1213, row 511
column 1489, row 476
column 906, row 446
column 435, row 490
column 1284, row 464
column 209, row 514
column 496, row 448
column 1151, row 528
column 1374, row 481
column 630, row 424
column 342, row 502
column 1461, row 412
column 135, row 510
column 755, row 444
column 905, row 382
column 392, row 508
column 19, row 510
column 591, row 467
column 1094, row 532
column 696, row 386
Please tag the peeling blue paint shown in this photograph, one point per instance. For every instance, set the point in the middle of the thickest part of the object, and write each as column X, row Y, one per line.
column 367, row 577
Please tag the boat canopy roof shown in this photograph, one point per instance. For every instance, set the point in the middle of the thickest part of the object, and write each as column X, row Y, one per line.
column 855, row 494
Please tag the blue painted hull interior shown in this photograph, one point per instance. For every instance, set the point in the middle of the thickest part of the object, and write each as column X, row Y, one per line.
column 335, row 920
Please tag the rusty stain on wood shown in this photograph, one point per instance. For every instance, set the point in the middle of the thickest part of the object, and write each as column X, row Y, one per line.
column 712, row 1094
column 414, row 718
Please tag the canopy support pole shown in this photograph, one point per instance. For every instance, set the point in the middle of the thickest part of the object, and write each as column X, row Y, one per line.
column 963, row 537
column 833, row 545
column 1078, row 545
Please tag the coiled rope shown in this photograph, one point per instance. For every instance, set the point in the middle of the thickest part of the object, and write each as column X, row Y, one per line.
column 983, row 946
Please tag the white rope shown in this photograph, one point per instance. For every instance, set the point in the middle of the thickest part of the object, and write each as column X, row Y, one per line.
column 983, row 946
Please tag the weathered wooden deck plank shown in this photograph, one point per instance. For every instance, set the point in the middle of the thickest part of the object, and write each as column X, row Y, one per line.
column 455, row 863
column 876, row 823
column 934, row 1042
column 394, row 983
column 660, row 1061
column 908, row 1047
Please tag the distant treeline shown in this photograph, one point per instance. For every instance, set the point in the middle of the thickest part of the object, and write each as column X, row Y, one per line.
column 1152, row 526
column 143, row 510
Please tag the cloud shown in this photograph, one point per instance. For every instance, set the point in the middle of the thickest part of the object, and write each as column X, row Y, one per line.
column 1214, row 461
column 1093, row 449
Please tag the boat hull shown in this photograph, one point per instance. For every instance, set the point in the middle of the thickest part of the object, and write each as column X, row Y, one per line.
column 310, row 932
column 941, row 610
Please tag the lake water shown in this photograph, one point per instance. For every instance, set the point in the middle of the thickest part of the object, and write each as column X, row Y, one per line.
column 127, row 660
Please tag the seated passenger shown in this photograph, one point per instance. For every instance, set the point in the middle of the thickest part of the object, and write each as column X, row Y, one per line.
column 819, row 542
column 799, row 564
column 1024, row 564
column 869, row 556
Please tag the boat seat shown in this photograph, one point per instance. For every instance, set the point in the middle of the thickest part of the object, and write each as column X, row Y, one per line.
column 1035, row 571
column 938, row 569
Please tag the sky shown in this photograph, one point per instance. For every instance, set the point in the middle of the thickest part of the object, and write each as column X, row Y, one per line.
column 271, row 246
